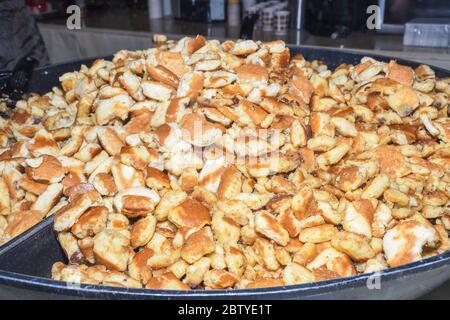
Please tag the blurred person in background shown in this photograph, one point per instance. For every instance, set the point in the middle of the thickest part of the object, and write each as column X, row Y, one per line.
column 19, row 35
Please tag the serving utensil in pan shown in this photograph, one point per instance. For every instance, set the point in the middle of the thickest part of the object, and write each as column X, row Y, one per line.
column 17, row 82
column 25, row 262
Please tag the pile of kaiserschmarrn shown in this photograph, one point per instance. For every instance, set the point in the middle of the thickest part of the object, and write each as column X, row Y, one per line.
column 205, row 165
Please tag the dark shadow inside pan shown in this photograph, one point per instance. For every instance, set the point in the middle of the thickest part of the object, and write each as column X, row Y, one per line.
column 37, row 250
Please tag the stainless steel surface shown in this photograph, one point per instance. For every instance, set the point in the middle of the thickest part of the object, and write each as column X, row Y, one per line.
column 432, row 32
column 298, row 14
column 440, row 293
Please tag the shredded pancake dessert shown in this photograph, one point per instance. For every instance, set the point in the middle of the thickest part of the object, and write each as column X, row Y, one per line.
column 205, row 165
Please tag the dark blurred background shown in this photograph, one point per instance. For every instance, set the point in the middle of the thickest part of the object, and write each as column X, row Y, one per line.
column 410, row 29
column 320, row 16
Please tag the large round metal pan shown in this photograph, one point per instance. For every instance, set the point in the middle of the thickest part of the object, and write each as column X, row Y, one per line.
column 26, row 261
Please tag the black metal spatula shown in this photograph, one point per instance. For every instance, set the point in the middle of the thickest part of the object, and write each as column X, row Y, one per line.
column 18, row 82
